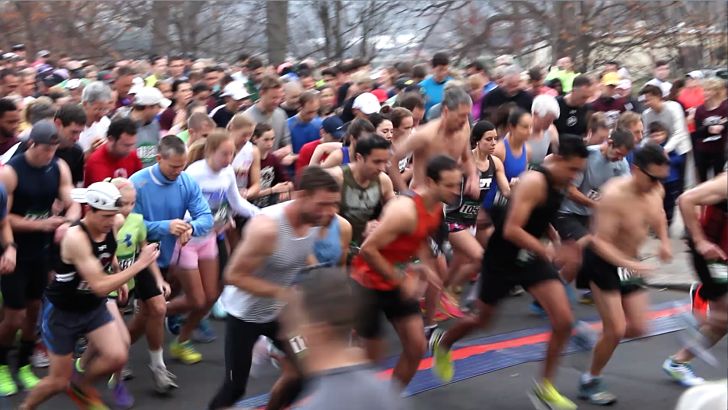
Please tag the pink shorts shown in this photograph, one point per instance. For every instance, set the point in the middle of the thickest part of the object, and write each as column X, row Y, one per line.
column 197, row 249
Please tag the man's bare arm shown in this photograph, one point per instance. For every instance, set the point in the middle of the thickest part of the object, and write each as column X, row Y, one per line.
column 260, row 239
column 412, row 144
column 530, row 192
column 708, row 193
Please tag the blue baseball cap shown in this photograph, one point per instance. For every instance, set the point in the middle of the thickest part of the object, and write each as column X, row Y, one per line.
column 334, row 126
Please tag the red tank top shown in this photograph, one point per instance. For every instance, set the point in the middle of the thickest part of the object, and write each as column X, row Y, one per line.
column 400, row 250
column 715, row 224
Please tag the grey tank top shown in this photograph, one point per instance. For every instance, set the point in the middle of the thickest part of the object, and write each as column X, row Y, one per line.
column 539, row 148
column 280, row 268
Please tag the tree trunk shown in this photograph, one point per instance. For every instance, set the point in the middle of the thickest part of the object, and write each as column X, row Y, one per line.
column 276, row 30
column 160, row 27
column 324, row 17
column 338, row 41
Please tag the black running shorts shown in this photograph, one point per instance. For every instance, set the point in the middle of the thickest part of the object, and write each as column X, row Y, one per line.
column 498, row 276
column 606, row 276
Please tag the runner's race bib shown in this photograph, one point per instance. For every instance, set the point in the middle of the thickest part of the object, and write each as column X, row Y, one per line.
column 629, row 278
column 719, row 272
column 593, row 195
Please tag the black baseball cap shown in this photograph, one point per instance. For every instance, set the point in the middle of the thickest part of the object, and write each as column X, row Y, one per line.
column 44, row 132
column 334, row 126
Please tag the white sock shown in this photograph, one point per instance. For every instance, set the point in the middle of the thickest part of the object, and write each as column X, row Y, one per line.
column 588, row 377
column 157, row 358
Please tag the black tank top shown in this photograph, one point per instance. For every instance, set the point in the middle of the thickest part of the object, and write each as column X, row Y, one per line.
column 504, row 252
column 465, row 210
column 33, row 199
column 68, row 291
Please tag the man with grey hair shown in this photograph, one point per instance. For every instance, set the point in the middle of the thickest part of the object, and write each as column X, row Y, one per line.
column 96, row 100
column 509, row 91
column 544, row 136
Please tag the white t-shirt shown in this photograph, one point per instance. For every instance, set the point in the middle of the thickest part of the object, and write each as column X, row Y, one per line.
column 220, row 189
column 241, row 164
column 95, row 131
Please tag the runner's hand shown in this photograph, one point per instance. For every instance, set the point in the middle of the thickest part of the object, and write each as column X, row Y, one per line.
column 7, row 260
column 640, row 268
column 185, row 237
column 52, row 223
column 149, row 254
column 408, row 287
column 177, row 227
column 473, row 188
column 164, row 288
column 123, row 293
column 710, row 251
column 370, row 227
column 665, row 252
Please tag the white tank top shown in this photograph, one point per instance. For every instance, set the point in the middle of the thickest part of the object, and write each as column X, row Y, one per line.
column 241, row 164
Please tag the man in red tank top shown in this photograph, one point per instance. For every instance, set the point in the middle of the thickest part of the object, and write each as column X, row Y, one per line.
column 383, row 270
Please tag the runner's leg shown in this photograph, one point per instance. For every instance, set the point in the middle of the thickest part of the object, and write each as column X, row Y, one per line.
column 112, row 354
column 614, row 326
column 552, row 297
column 414, row 346
column 59, row 374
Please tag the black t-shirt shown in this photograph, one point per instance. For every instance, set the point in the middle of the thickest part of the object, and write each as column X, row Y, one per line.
column 341, row 94
column 498, row 97
column 573, row 120
column 222, row 116
column 73, row 157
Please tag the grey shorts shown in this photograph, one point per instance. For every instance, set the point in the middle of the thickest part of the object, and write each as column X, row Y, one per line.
column 60, row 329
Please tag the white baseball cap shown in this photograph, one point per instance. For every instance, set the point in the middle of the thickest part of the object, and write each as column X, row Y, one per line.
column 103, row 196
column 367, row 103
column 150, row 96
column 235, row 90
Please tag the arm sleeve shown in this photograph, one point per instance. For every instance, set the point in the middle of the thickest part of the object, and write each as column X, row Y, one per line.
column 241, row 206
column 156, row 230
column 198, row 208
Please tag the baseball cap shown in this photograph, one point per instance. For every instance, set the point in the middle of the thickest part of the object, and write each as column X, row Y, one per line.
column 235, row 90
column 148, row 96
column 366, row 103
column 695, row 75
column 334, row 126
column 44, row 132
column 610, row 78
column 381, row 95
column 18, row 47
column 625, row 84
column 44, row 53
column 103, row 196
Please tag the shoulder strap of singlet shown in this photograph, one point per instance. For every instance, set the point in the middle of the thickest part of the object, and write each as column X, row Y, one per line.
column 345, row 155
column 491, row 165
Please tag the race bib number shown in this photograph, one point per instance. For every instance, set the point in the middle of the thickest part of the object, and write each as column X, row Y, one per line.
column 125, row 263
column 627, row 277
column 593, row 195
column 83, row 286
column 33, row 216
column 719, row 272
column 298, row 345
column 470, row 210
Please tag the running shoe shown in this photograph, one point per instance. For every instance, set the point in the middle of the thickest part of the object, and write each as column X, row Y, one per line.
column 122, row 398
column 164, row 380
column 126, row 373
column 682, row 373
column 7, row 384
column 545, row 396
column 184, row 352
column 586, row 298
column 204, row 332
column 27, row 378
column 174, row 324
column 537, row 310
column 584, row 336
column 517, row 291
column 88, row 399
column 218, row 312
column 443, row 367
column 39, row 359
column 595, row 391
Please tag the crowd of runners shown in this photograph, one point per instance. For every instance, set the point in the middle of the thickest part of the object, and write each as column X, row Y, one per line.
column 301, row 203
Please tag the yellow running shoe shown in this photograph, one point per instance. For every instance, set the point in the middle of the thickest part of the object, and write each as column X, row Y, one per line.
column 184, row 352
column 7, row 384
column 27, row 378
column 545, row 396
column 443, row 367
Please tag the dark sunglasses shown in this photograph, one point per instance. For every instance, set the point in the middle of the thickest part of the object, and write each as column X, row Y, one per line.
column 652, row 177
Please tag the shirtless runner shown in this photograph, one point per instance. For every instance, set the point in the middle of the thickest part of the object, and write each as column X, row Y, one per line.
column 629, row 207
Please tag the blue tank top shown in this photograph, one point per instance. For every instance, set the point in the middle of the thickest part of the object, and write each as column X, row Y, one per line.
column 513, row 167
column 328, row 250
column 345, row 155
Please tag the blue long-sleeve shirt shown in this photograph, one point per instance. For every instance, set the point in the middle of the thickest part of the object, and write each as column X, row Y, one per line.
column 161, row 200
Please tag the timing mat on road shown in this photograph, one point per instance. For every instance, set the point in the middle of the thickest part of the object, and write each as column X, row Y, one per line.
column 478, row 356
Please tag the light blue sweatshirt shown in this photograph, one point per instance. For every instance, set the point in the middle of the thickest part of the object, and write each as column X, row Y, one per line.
column 161, row 200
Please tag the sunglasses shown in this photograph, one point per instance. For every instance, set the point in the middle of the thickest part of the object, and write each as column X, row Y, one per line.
column 652, row 177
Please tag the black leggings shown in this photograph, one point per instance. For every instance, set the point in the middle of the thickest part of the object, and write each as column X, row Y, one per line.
column 706, row 161
column 240, row 338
